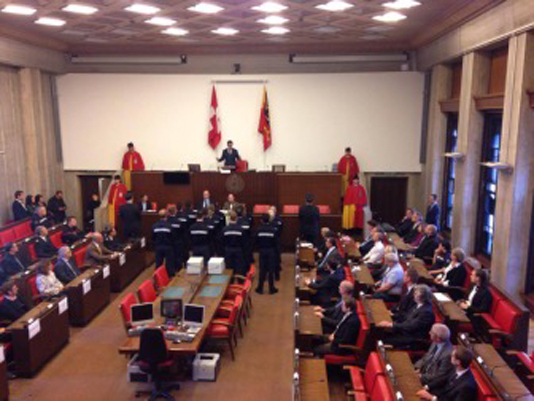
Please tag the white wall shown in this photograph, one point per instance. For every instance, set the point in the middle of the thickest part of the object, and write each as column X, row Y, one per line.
column 313, row 118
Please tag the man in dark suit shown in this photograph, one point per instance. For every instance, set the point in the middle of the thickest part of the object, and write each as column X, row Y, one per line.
column 206, row 200
column 11, row 264
column 460, row 384
column 144, row 205
column 407, row 301
column 20, row 211
column 331, row 316
column 346, row 332
column 331, row 254
column 480, row 298
column 40, row 218
column 428, row 245
column 326, row 286
column 70, row 232
column 309, row 219
column 413, row 331
column 433, row 211
column 43, row 246
column 65, row 268
column 435, row 366
column 406, row 224
column 230, row 156
column 11, row 307
column 130, row 218
column 57, row 207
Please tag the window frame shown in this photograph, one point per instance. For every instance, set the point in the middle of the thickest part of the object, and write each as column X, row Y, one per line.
column 449, row 172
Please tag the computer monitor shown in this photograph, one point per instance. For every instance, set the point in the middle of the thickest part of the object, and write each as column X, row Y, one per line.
column 193, row 315
column 171, row 308
column 142, row 314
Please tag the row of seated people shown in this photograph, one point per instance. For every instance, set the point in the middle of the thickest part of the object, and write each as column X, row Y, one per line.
column 30, row 206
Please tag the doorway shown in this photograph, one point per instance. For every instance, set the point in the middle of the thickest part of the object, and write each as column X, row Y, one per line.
column 92, row 184
column 389, row 198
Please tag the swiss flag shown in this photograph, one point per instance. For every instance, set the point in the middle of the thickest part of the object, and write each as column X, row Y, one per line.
column 214, row 134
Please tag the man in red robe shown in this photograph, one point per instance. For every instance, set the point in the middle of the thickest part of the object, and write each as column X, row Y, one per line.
column 116, row 199
column 131, row 161
column 353, row 203
column 348, row 167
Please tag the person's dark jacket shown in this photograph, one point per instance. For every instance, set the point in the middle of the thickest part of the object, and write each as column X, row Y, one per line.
column 435, row 366
column 64, row 272
column 44, row 248
column 130, row 219
column 404, row 227
column 346, row 333
column 12, row 265
column 19, row 211
column 309, row 219
column 482, row 302
column 427, row 247
column 463, row 388
column 417, row 323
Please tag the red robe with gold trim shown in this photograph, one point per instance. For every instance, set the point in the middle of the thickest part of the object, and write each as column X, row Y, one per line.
column 353, row 204
column 132, row 161
column 348, row 167
column 116, row 199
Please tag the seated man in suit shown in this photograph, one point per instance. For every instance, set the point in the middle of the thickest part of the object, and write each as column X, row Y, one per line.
column 442, row 256
column 130, row 216
column 331, row 254
column 70, row 232
column 407, row 301
column 460, row 384
column 43, row 246
column 389, row 288
column 97, row 253
column 413, row 331
column 11, row 307
column 480, row 298
column 376, row 254
column 326, row 286
column 20, row 211
column 321, row 242
column 144, row 204
column 428, row 245
column 346, row 332
column 111, row 241
column 417, row 220
column 406, row 224
column 230, row 203
column 40, row 218
column 206, row 201
column 330, row 317
column 65, row 268
column 435, row 366
column 11, row 264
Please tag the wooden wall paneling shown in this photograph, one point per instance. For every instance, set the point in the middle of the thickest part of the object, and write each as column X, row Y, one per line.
column 498, row 66
column 530, row 93
column 151, row 183
column 490, row 102
column 456, row 81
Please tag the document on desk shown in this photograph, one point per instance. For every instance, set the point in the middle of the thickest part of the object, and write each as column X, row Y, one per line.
column 63, row 305
column 86, row 286
column 34, row 328
column 143, row 242
column 122, row 259
column 219, row 279
column 441, row 297
column 2, row 356
column 105, row 271
column 210, row 292
column 173, row 292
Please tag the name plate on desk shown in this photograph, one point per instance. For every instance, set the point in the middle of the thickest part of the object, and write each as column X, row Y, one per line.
column 441, row 297
column 86, row 286
column 105, row 271
column 63, row 305
column 122, row 259
column 2, row 356
column 34, row 328
column 143, row 242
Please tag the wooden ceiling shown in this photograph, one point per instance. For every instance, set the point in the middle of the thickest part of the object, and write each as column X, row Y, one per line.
column 114, row 30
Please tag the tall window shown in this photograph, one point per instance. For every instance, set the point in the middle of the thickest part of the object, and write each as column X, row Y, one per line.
column 451, row 146
column 491, row 149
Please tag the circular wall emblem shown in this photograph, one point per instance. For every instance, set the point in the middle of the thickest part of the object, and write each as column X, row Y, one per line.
column 235, row 184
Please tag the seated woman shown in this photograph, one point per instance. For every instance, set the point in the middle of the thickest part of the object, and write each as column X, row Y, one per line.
column 111, row 241
column 454, row 275
column 46, row 281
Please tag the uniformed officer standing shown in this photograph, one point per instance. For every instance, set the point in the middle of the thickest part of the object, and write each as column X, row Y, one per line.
column 200, row 239
column 178, row 233
column 163, row 244
column 232, row 241
column 244, row 222
column 266, row 241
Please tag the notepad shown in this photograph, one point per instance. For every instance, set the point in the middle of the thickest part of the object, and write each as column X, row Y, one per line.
column 173, row 292
column 210, row 292
column 218, row 279
column 442, row 297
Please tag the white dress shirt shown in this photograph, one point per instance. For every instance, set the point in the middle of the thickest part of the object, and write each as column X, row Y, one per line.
column 376, row 254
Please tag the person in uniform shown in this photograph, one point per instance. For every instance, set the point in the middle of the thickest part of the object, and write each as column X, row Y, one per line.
column 230, row 156
column 178, row 234
column 57, row 207
column 309, row 219
column 232, row 241
column 200, row 240
column 348, row 168
column 130, row 216
column 131, row 161
column 353, row 203
column 266, row 239
column 277, row 222
column 117, row 195
column 163, row 243
column 244, row 222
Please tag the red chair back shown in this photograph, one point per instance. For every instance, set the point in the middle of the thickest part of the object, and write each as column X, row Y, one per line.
column 79, row 255
column 31, row 250
column 324, row 209
column 7, row 236
column 290, row 209
column 23, row 230
column 260, row 209
column 382, row 390
column 241, row 166
column 146, row 292
column 372, row 370
column 485, row 391
column 235, row 309
column 55, row 239
column 32, row 282
column 125, row 308
column 161, row 278
column 365, row 328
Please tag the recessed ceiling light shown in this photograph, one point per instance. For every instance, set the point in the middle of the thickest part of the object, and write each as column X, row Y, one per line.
column 175, row 31
column 276, row 30
column 273, row 20
column 391, row 16
column 401, row 4
column 142, row 9
column 335, row 5
column 50, row 21
column 206, row 8
column 327, row 29
column 17, row 9
column 161, row 21
column 270, row 7
column 80, row 9
column 225, row 31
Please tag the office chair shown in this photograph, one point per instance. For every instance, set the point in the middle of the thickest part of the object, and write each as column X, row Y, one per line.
column 155, row 360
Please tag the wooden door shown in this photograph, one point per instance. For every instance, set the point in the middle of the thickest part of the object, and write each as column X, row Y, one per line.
column 90, row 184
column 388, row 198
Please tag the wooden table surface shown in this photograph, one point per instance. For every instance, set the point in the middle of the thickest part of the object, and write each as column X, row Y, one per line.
column 420, row 266
column 452, row 311
column 363, row 275
column 193, row 285
column 398, row 242
column 408, row 382
column 313, row 380
column 377, row 310
column 309, row 324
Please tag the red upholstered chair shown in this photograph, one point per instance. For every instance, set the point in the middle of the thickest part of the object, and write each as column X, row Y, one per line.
column 241, row 166
column 7, row 236
column 382, row 390
column 154, row 206
column 324, row 209
column 290, row 209
column 365, row 380
column 55, row 239
column 485, row 391
column 79, row 255
column 146, row 292
column 260, row 209
column 501, row 324
column 125, row 308
column 36, row 297
column 161, row 278
column 31, row 250
column 225, row 328
column 23, row 230
column 229, row 303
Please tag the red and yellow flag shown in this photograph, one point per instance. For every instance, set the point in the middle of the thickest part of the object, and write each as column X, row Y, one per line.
column 264, row 127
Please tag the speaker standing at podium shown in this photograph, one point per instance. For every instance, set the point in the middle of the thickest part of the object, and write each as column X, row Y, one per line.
column 230, row 156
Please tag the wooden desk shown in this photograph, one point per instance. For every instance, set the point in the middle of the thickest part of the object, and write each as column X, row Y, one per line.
column 305, row 257
column 4, row 388
column 304, row 292
column 193, row 285
column 127, row 267
column 351, row 250
column 424, row 276
column 88, row 294
column 309, row 328
column 148, row 219
column 406, row 378
column 36, row 343
column 363, row 278
column 313, row 380
column 398, row 242
column 291, row 227
column 454, row 315
column 376, row 311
